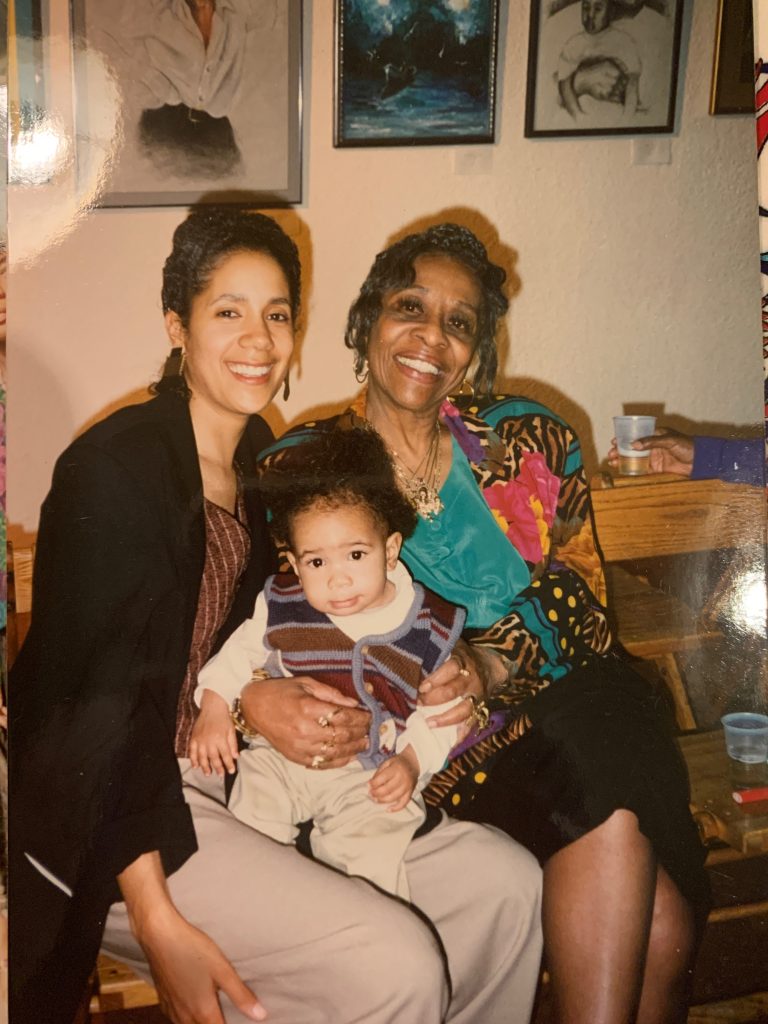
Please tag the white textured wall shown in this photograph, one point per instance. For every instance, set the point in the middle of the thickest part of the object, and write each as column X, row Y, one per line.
column 638, row 284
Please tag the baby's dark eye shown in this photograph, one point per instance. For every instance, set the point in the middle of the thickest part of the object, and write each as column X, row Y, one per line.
column 316, row 563
column 356, row 555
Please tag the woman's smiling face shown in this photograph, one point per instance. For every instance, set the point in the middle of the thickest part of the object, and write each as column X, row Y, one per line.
column 426, row 334
column 239, row 341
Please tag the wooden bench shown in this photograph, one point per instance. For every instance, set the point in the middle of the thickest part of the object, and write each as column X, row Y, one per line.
column 639, row 519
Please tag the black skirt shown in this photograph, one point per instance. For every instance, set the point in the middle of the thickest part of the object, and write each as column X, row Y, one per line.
column 600, row 740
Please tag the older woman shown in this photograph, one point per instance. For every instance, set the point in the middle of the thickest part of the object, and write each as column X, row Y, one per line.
column 578, row 760
column 152, row 547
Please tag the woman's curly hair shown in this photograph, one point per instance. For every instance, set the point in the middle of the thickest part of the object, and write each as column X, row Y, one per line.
column 393, row 269
column 208, row 235
column 336, row 469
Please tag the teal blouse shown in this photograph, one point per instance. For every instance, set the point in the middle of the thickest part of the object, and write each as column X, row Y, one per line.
column 463, row 555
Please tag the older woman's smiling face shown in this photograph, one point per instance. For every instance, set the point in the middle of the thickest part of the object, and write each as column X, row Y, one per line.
column 426, row 334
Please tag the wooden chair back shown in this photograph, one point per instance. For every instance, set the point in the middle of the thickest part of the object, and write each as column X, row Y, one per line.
column 665, row 515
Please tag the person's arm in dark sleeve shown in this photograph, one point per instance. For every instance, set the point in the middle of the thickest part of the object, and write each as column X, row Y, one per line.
column 736, row 461
column 95, row 780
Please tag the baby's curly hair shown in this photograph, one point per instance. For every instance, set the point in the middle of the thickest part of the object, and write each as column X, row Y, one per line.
column 336, row 469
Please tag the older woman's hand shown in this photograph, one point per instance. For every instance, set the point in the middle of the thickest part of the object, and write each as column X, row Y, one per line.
column 308, row 722
column 469, row 670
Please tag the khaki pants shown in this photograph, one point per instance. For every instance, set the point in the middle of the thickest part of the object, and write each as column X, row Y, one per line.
column 350, row 831
column 320, row 948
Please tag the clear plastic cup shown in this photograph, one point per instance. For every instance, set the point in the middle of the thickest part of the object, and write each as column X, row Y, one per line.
column 628, row 429
column 746, row 740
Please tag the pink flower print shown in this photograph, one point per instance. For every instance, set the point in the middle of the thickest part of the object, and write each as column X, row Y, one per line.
column 541, row 483
column 525, row 507
column 513, row 512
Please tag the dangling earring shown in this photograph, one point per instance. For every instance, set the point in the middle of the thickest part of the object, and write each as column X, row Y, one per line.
column 287, row 386
column 174, row 364
column 361, row 376
column 470, row 388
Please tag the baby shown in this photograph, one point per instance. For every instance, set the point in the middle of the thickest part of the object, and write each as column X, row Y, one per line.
column 351, row 617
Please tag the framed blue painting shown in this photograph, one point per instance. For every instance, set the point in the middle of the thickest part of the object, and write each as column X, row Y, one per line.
column 415, row 72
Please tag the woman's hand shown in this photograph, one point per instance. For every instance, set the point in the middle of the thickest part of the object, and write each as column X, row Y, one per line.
column 290, row 713
column 468, row 670
column 213, row 744
column 189, row 970
column 187, row 966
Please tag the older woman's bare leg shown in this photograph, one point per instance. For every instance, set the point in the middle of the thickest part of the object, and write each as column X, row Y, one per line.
column 618, row 942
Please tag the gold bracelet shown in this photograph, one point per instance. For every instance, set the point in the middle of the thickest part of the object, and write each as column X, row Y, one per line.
column 239, row 722
column 236, row 711
column 479, row 715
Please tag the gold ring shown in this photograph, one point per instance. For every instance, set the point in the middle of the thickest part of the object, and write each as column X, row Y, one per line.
column 479, row 715
column 463, row 670
column 324, row 748
column 324, row 721
column 316, row 761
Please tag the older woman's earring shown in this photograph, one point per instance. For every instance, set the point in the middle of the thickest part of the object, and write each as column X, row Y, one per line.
column 470, row 388
column 174, row 364
column 361, row 376
column 287, row 386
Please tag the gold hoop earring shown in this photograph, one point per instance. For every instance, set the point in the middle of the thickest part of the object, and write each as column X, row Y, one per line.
column 470, row 388
column 361, row 376
column 287, row 386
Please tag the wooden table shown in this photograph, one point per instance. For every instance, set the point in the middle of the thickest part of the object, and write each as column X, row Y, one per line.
column 744, row 827
column 731, row 974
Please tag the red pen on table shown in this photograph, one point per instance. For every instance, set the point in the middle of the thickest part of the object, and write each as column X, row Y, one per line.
column 748, row 796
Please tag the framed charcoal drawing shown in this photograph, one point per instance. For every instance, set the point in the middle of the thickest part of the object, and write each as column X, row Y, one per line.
column 733, row 71
column 415, row 73
column 602, row 67
column 208, row 99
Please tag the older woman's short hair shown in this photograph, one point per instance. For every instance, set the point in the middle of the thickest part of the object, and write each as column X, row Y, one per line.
column 394, row 269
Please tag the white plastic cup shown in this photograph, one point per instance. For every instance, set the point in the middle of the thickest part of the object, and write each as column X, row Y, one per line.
column 628, row 429
column 746, row 740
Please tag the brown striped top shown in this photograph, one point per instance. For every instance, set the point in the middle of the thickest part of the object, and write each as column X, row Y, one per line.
column 227, row 549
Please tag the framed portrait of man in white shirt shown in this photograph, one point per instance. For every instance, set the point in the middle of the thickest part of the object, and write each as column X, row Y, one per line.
column 205, row 97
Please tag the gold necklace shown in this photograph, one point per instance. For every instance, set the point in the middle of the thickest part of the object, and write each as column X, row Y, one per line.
column 422, row 491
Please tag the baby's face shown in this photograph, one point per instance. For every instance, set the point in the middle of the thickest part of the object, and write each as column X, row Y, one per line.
column 341, row 557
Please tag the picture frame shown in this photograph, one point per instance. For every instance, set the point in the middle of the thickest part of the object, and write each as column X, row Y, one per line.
column 406, row 77
column 27, row 98
column 733, row 68
column 229, row 133
column 600, row 68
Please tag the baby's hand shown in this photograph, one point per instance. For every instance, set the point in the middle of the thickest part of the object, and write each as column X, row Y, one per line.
column 213, row 746
column 394, row 781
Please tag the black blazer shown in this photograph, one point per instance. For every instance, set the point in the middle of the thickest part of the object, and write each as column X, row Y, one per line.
column 94, row 780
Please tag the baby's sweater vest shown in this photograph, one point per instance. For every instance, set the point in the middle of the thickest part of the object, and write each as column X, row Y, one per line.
column 382, row 671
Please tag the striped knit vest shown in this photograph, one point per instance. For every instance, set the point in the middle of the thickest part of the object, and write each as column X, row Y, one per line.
column 382, row 671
